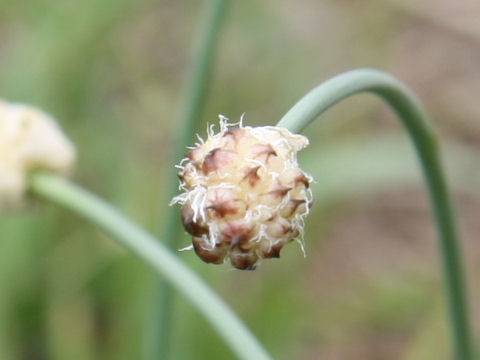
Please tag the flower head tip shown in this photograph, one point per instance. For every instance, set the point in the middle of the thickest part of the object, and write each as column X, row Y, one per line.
column 29, row 139
column 244, row 195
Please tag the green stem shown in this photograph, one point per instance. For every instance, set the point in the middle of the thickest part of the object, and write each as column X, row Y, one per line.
column 415, row 120
column 161, row 312
column 152, row 252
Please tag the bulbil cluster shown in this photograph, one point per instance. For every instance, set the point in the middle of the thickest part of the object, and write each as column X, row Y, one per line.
column 244, row 195
column 29, row 140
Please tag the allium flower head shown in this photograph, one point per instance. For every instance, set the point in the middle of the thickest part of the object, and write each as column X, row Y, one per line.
column 244, row 195
column 29, row 139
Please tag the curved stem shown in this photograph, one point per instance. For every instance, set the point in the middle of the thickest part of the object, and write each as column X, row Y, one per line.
column 151, row 250
column 160, row 313
column 415, row 120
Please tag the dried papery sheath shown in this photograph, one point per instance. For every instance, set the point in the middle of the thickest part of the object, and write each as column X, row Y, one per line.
column 244, row 195
column 29, row 140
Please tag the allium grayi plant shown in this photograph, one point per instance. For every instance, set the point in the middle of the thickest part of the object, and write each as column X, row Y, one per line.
column 245, row 196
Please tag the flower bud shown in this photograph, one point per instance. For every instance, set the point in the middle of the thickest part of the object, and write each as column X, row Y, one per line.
column 29, row 139
column 244, row 195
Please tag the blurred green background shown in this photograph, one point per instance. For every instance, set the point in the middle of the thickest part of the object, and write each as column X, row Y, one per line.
column 111, row 71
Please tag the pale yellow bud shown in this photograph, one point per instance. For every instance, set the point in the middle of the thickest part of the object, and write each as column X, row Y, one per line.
column 244, row 195
column 29, row 139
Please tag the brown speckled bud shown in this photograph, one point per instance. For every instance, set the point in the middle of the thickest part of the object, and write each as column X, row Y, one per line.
column 244, row 195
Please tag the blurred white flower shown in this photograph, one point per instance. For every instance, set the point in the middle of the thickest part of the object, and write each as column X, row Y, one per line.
column 29, row 139
column 245, row 196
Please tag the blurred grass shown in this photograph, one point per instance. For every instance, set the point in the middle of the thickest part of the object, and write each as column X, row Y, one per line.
column 110, row 72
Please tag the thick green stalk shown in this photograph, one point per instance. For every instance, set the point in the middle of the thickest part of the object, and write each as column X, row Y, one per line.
column 413, row 117
column 159, row 316
column 152, row 252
